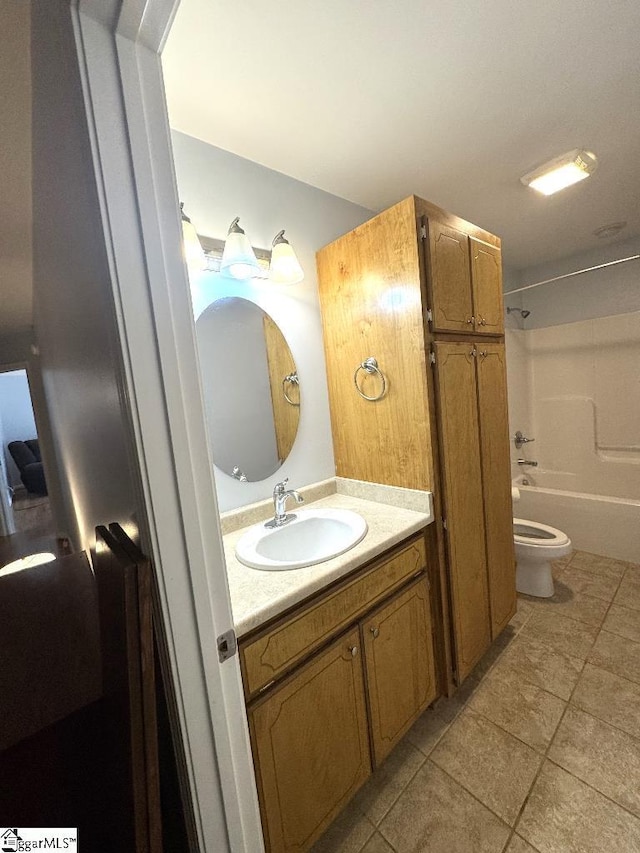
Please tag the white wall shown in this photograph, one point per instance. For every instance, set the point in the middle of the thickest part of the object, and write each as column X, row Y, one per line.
column 217, row 186
column 585, row 399
column 602, row 293
column 573, row 371
column 16, row 413
column 79, row 362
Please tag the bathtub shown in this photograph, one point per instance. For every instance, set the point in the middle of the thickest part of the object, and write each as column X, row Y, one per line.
column 597, row 523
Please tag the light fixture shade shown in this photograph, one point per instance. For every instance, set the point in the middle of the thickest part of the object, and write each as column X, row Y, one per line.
column 191, row 247
column 238, row 258
column 284, row 267
column 561, row 172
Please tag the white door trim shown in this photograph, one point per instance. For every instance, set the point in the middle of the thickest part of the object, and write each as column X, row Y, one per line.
column 121, row 73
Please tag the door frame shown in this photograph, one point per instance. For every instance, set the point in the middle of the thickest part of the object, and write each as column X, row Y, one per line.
column 119, row 45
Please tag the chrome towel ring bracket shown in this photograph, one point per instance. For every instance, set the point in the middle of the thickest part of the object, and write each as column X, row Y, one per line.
column 370, row 366
column 293, row 379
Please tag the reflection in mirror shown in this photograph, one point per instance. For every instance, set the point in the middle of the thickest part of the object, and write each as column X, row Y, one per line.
column 250, row 387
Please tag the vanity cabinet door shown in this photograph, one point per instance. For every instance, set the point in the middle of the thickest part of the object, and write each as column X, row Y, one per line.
column 311, row 746
column 450, row 279
column 496, row 476
column 486, row 279
column 455, row 369
column 399, row 663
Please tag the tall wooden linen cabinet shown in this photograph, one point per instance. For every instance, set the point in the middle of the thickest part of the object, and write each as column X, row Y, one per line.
column 420, row 291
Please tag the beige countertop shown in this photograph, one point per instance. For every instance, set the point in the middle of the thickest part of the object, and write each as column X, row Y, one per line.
column 257, row 595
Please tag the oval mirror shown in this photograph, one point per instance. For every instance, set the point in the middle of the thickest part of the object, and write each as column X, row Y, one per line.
column 250, row 387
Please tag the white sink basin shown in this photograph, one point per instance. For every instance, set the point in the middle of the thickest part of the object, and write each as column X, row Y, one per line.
column 315, row 535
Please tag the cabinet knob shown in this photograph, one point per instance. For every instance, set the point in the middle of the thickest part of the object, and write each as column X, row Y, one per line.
column 375, row 632
column 471, row 320
column 354, row 651
column 483, row 322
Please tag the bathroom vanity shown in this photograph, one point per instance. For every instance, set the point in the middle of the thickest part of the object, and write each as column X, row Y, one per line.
column 338, row 661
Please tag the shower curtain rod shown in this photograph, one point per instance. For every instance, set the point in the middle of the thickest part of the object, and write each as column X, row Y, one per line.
column 571, row 274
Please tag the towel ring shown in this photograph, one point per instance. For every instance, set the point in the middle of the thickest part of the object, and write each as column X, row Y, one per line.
column 370, row 365
column 293, row 379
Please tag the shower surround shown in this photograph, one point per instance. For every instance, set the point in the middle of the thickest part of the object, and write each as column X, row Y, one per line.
column 575, row 387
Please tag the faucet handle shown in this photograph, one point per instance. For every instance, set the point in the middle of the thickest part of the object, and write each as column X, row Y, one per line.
column 519, row 439
column 279, row 488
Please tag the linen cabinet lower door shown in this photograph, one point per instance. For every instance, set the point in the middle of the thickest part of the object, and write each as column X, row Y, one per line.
column 457, row 402
column 496, row 471
column 311, row 746
column 398, row 644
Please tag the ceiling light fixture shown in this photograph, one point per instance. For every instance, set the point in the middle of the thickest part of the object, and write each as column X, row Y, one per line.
column 285, row 267
column 238, row 258
column 561, row 172
column 191, row 246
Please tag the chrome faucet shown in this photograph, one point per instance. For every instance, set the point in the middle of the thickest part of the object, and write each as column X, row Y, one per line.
column 280, row 497
column 527, row 462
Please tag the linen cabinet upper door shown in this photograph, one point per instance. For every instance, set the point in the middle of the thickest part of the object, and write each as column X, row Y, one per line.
column 486, row 277
column 463, row 500
column 450, row 279
column 496, row 475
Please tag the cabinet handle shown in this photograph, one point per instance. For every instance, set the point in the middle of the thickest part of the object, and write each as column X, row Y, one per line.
column 471, row 320
column 473, row 352
column 354, row 651
column 483, row 322
column 375, row 632
column 483, row 353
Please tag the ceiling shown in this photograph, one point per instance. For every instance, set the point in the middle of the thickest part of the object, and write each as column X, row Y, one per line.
column 453, row 102
column 15, row 168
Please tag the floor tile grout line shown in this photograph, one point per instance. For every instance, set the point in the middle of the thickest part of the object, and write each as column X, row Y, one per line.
column 471, row 794
column 462, row 785
column 541, row 608
column 611, row 672
column 551, row 742
column 544, row 756
column 404, row 788
column 606, row 723
column 546, row 752
column 635, row 816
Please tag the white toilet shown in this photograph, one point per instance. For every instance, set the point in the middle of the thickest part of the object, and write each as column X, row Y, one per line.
column 536, row 545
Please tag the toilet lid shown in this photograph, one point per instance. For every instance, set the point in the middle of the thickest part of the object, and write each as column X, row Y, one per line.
column 540, row 534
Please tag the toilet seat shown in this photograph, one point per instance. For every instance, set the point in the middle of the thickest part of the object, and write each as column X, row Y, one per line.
column 540, row 535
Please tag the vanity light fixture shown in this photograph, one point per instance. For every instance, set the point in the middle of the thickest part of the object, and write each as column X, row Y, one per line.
column 191, row 246
column 561, row 172
column 285, row 267
column 238, row 258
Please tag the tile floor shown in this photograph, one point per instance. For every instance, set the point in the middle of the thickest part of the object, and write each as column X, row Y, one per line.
column 540, row 748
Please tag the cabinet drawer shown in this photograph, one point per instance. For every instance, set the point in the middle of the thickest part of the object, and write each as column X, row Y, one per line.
column 280, row 647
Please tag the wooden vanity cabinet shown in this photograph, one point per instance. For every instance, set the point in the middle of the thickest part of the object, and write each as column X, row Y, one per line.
column 311, row 746
column 399, row 665
column 318, row 729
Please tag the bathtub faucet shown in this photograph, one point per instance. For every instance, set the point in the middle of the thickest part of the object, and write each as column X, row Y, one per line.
column 527, row 462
